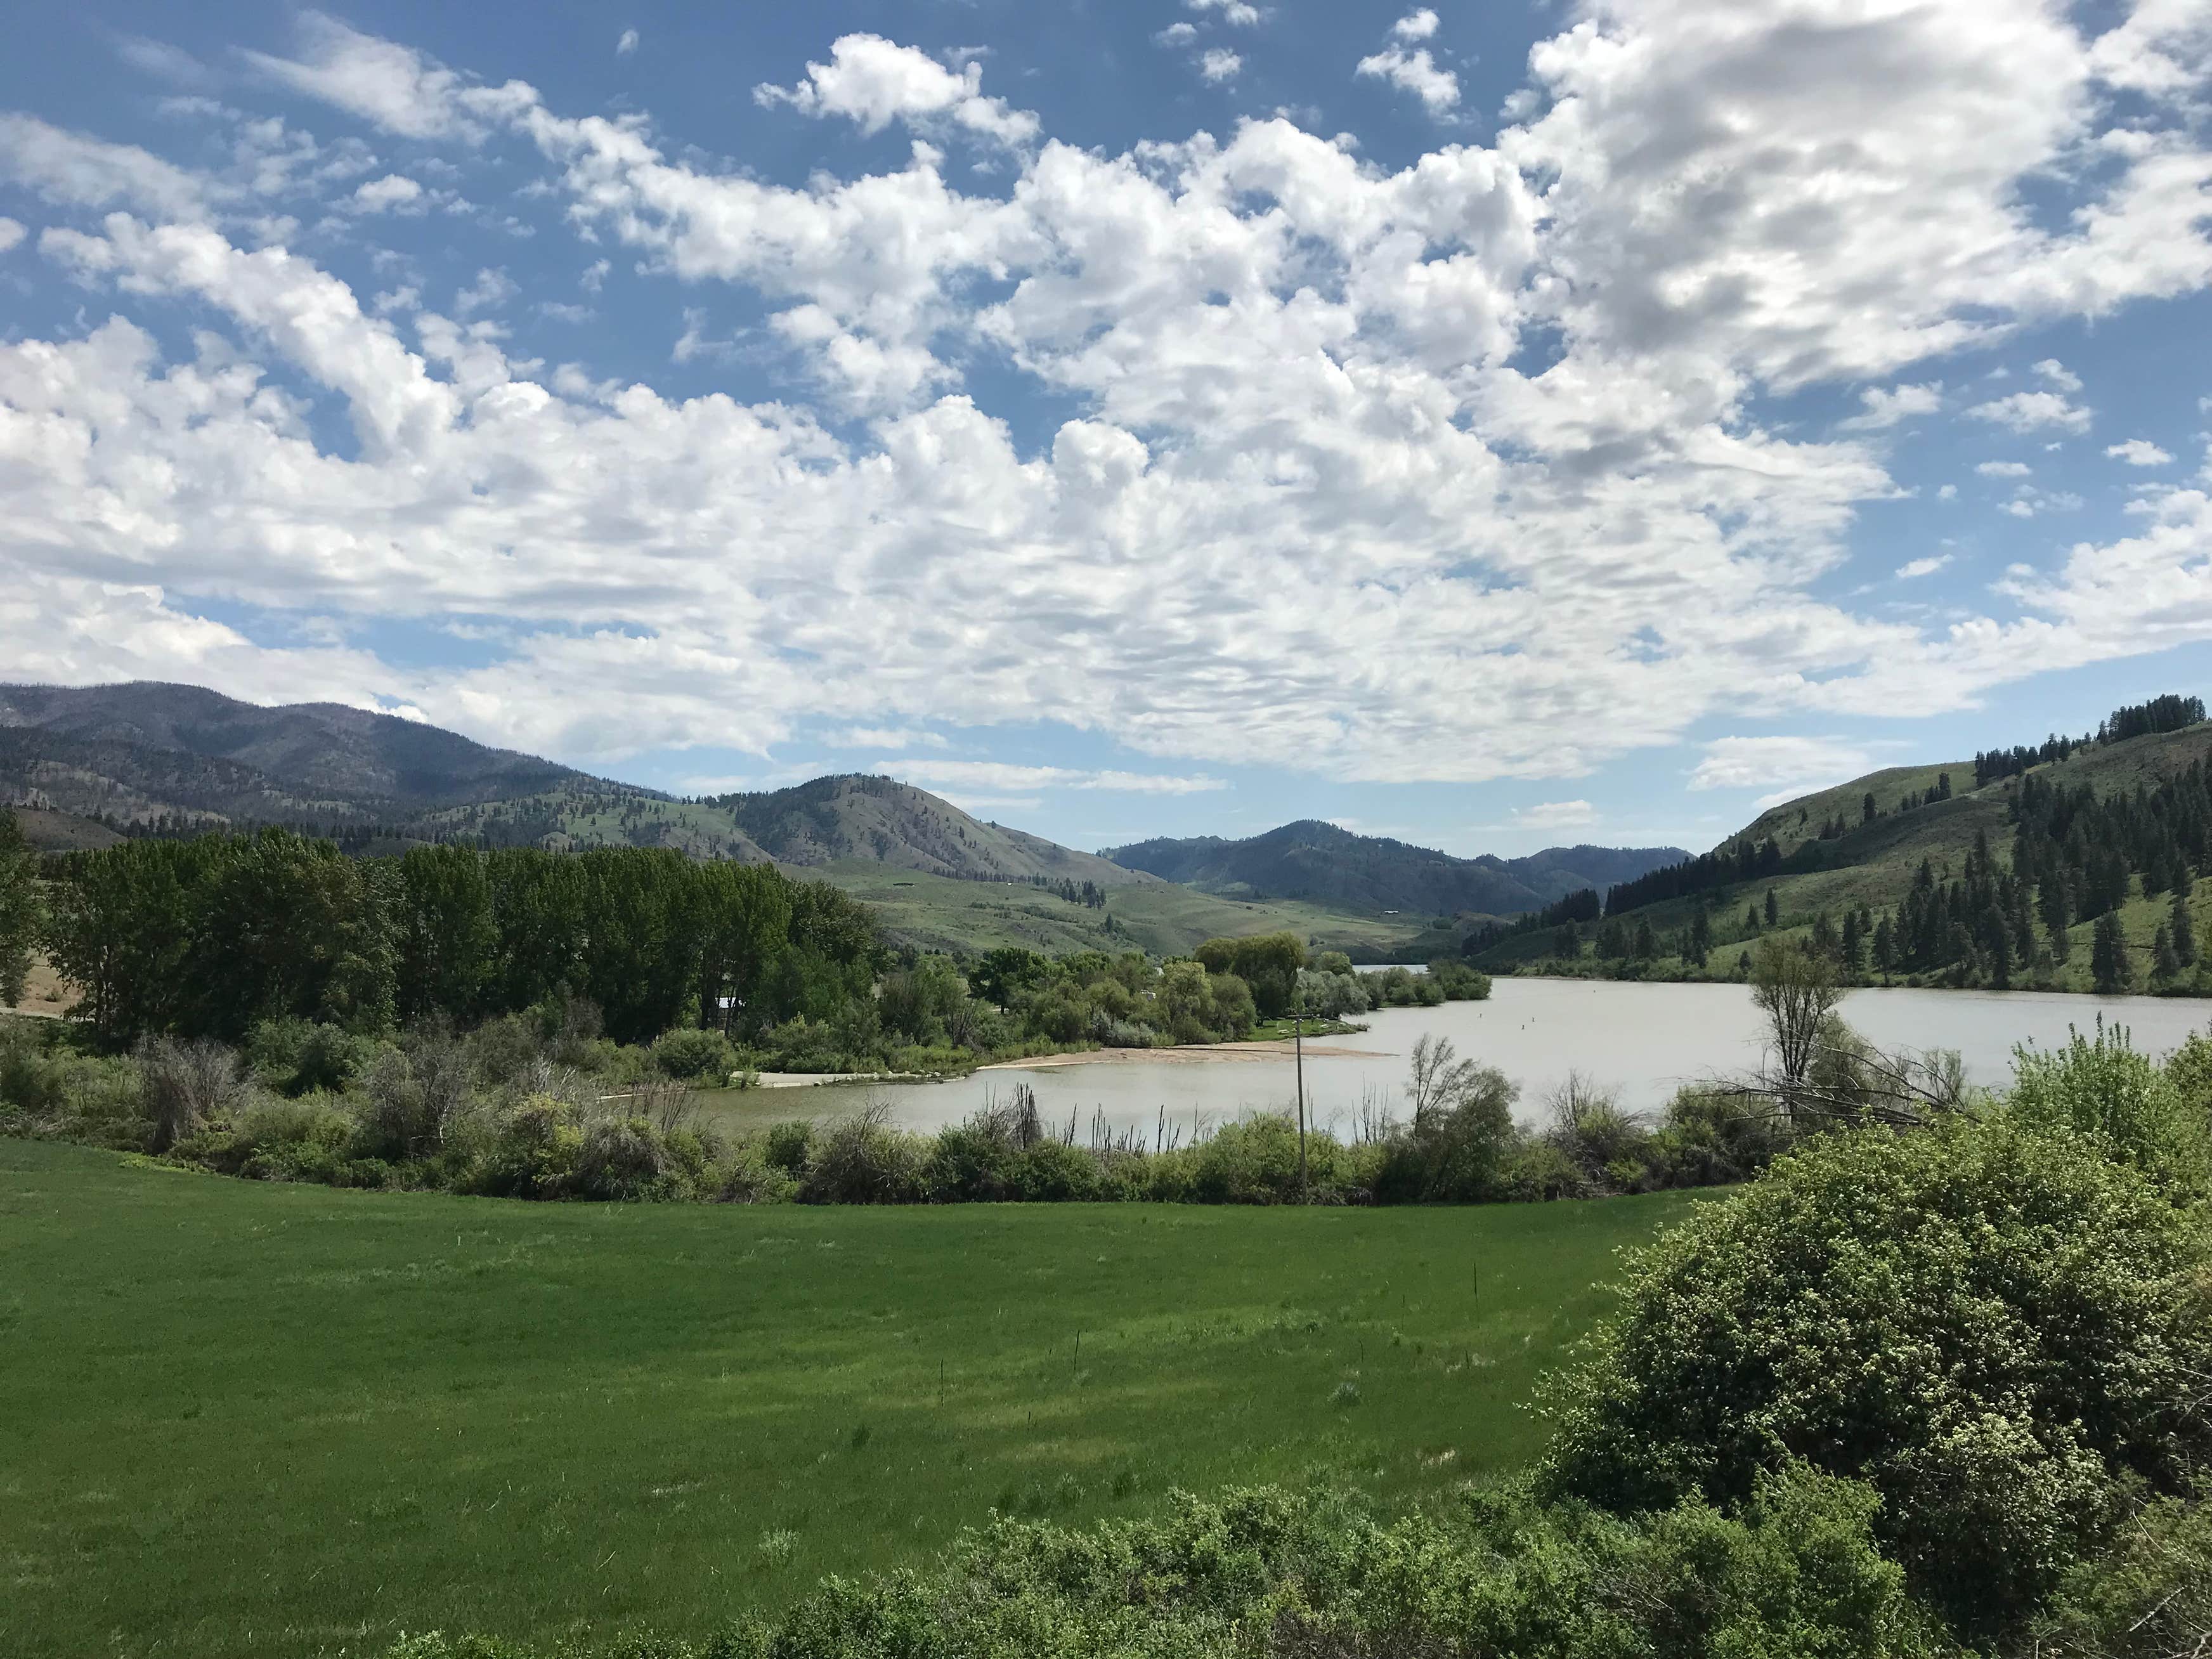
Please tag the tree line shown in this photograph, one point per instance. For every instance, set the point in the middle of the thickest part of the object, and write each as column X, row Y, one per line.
column 207, row 938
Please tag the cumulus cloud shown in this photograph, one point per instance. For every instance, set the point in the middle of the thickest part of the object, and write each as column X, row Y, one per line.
column 1555, row 814
column 626, row 44
column 1918, row 568
column 999, row 779
column 2004, row 469
column 1219, row 64
column 1415, row 71
column 1785, row 767
column 1176, row 35
column 1240, row 12
column 2140, row 451
column 1415, row 25
column 2033, row 411
column 2057, row 373
column 394, row 192
column 1885, row 407
column 874, row 82
column 10, row 234
column 1312, row 502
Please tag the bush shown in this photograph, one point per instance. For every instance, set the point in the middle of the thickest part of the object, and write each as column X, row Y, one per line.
column 687, row 1055
column 861, row 1159
column 1267, row 1571
column 298, row 1057
column 187, row 1085
column 2102, row 1088
column 1998, row 1329
column 529, row 1150
column 626, row 1160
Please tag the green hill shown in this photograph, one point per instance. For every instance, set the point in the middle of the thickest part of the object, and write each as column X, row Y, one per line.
column 1872, row 863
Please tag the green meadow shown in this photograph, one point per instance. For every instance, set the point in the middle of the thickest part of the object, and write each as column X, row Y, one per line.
column 249, row 1419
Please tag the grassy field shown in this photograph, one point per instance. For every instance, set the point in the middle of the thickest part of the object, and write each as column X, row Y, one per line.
column 249, row 1419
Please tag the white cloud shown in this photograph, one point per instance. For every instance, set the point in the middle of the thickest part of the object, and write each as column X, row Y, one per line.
column 2033, row 411
column 1785, row 767
column 1239, row 12
column 884, row 737
column 2057, row 373
column 394, row 192
column 1556, row 815
column 1176, row 35
column 999, row 778
column 875, row 82
column 394, row 87
column 71, row 170
column 1311, row 507
column 491, row 288
column 10, row 234
column 627, row 43
column 1415, row 25
column 2004, row 470
column 1947, row 493
column 1918, row 568
column 2140, row 451
column 1886, row 408
column 1416, row 72
column 1219, row 64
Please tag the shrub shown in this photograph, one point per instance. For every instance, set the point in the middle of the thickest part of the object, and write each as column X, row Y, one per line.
column 1267, row 1571
column 529, row 1150
column 861, row 1159
column 298, row 1056
column 185, row 1085
column 625, row 1160
column 2103, row 1088
column 687, row 1055
column 1998, row 1329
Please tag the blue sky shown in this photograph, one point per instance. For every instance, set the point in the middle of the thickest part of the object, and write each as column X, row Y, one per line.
column 1494, row 426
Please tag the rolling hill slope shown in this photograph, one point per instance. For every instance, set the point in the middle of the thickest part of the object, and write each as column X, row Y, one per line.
column 1322, row 864
column 1873, row 864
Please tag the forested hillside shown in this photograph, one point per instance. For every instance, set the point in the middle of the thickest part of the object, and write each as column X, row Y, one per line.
column 1322, row 864
column 2067, row 864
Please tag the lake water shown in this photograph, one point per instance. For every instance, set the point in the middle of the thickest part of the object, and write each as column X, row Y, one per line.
column 1644, row 1040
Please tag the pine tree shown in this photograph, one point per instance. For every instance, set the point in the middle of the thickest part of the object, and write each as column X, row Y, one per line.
column 1867, row 808
column 1701, row 938
column 2164, row 965
column 1646, row 947
column 2184, row 930
column 1773, row 908
column 2108, row 956
column 1750, row 920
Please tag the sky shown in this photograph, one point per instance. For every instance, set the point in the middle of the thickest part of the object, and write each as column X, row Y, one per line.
column 1495, row 426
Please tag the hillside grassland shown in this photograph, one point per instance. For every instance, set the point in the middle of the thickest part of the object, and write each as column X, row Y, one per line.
column 264, row 1419
column 1873, row 865
column 940, row 913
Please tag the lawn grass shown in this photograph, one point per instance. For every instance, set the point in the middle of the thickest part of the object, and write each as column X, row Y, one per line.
column 257, row 1419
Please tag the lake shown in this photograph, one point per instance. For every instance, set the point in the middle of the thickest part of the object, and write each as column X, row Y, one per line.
column 1645, row 1040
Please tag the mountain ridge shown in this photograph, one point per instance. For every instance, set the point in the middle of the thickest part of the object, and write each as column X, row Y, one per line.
column 1320, row 862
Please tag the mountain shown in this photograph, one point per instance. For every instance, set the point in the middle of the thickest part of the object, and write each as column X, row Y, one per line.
column 1324, row 864
column 134, row 752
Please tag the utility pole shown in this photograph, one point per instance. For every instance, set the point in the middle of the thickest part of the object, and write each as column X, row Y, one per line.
column 1298, row 1046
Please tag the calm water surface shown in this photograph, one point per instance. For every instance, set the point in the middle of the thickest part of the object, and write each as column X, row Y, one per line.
column 1644, row 1040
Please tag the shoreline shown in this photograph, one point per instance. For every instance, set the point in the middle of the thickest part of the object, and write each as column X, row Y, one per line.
column 1195, row 1054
